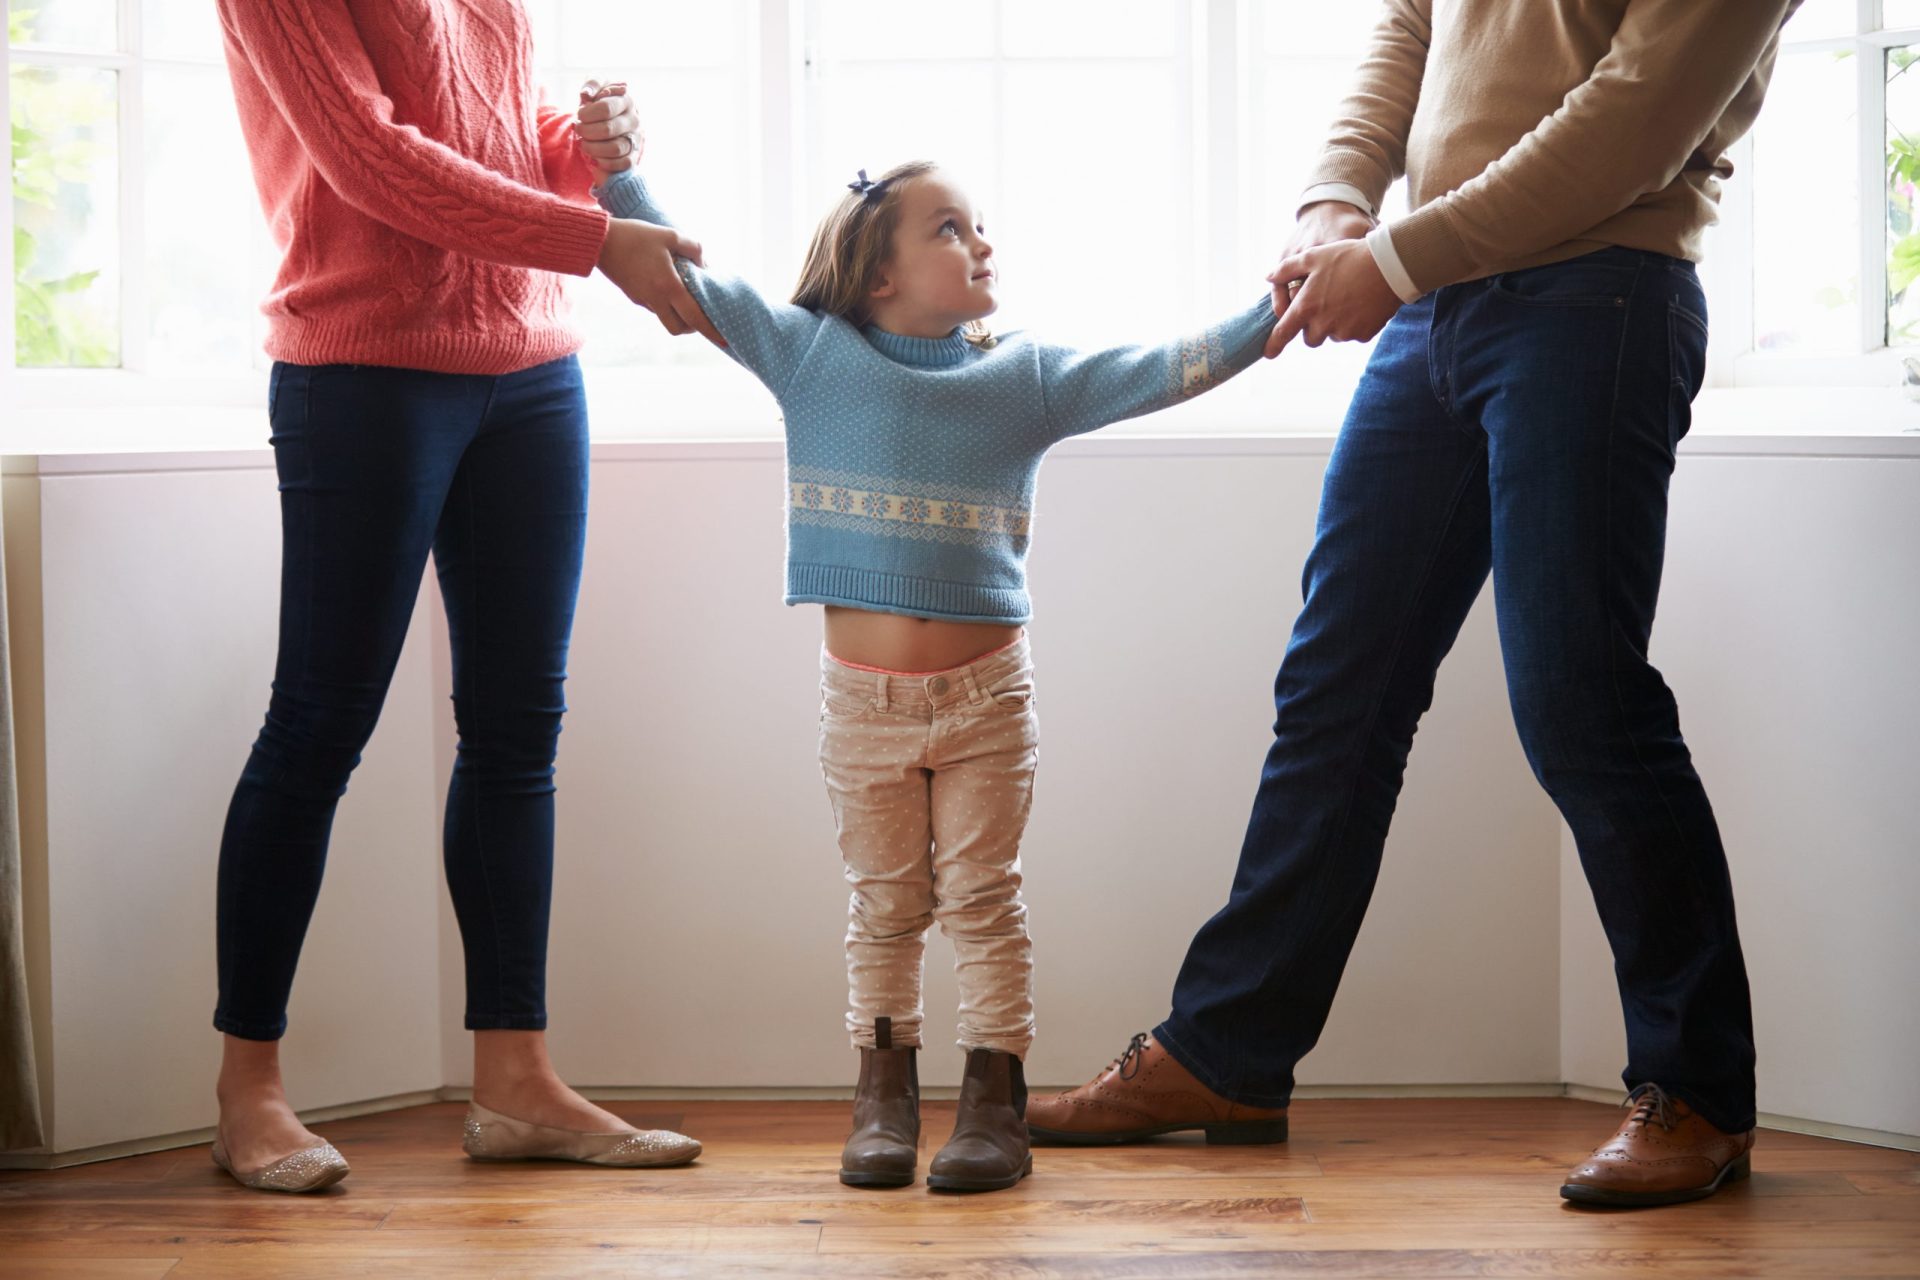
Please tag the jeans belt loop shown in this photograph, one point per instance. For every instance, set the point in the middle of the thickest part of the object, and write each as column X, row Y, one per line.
column 879, row 691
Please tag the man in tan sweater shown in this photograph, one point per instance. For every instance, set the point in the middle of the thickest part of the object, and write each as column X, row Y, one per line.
column 1544, row 337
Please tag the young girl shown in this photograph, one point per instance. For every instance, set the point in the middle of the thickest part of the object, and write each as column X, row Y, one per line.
column 913, row 441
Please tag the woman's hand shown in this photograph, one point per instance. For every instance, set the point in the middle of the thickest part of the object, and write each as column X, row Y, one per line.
column 638, row 256
column 608, row 126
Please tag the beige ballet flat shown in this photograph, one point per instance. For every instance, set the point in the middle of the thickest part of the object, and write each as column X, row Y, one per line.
column 309, row 1170
column 492, row 1136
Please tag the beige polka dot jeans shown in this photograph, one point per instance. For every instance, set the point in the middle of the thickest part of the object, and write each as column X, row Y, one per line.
column 931, row 779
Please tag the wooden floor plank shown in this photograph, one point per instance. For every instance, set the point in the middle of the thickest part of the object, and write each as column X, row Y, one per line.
column 1370, row 1187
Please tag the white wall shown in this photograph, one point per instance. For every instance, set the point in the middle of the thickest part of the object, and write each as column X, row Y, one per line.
column 700, row 905
column 696, row 933
column 159, row 616
column 1790, row 632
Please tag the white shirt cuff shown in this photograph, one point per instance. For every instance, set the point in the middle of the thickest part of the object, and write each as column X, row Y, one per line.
column 1336, row 191
column 1380, row 244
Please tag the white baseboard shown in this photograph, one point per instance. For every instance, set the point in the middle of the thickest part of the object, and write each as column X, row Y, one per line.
column 1789, row 1124
column 616, row 1093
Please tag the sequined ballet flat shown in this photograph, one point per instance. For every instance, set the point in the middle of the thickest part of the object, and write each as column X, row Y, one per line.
column 492, row 1136
column 308, row 1170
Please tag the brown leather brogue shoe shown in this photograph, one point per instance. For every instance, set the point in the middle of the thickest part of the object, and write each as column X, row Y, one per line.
column 1146, row 1092
column 885, row 1141
column 1664, row 1154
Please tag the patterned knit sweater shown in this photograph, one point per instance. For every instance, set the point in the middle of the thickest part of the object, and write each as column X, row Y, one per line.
column 421, row 196
column 911, row 462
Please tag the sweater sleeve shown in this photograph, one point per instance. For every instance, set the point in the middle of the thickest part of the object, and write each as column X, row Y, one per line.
column 1629, row 129
column 570, row 175
column 1086, row 390
column 309, row 59
column 770, row 339
column 1367, row 147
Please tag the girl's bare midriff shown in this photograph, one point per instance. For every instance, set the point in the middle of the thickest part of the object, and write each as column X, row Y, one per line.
column 895, row 642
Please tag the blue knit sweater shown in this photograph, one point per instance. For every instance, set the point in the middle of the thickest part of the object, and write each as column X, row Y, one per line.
column 911, row 462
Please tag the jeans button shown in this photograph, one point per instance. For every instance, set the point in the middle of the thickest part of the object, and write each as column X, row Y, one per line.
column 939, row 686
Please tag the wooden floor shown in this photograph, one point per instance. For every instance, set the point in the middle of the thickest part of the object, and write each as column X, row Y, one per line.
column 1403, row 1188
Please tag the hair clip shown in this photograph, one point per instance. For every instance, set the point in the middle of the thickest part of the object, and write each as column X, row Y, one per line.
column 864, row 186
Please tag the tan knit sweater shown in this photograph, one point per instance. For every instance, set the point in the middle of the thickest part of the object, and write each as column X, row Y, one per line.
column 1532, row 131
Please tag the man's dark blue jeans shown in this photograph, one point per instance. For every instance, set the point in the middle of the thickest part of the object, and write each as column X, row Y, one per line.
column 378, row 467
column 1523, row 424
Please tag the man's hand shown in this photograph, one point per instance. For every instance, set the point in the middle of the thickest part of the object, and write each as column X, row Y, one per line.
column 638, row 256
column 608, row 126
column 1342, row 296
column 1323, row 222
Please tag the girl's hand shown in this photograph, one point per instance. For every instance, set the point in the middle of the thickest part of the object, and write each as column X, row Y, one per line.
column 608, row 126
column 638, row 256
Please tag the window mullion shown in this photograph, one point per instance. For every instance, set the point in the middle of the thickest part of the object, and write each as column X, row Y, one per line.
column 133, row 194
column 8, row 354
column 780, row 62
column 1001, row 188
column 1871, row 87
column 1216, row 128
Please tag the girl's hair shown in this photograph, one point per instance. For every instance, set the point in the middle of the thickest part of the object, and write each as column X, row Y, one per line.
column 853, row 243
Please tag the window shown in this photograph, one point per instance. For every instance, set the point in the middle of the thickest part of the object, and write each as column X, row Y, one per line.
column 1137, row 161
column 136, row 237
column 1816, row 263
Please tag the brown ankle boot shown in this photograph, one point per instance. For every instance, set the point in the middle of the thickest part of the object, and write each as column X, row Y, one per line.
column 886, row 1115
column 989, row 1148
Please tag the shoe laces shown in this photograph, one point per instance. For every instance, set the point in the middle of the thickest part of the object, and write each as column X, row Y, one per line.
column 1651, row 1105
column 1129, row 1062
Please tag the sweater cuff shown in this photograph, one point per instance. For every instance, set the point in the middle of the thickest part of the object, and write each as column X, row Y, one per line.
column 1380, row 244
column 1344, row 168
column 1345, row 192
column 573, row 239
column 1431, row 252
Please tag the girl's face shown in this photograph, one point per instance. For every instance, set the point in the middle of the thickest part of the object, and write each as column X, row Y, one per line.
column 941, row 273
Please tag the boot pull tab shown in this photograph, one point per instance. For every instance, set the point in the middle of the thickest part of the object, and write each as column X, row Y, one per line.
column 883, row 1033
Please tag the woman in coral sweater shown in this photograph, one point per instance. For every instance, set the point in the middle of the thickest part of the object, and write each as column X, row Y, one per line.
column 424, row 399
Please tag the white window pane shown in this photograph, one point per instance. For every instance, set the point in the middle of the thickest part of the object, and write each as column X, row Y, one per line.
column 614, row 38
column 1299, row 29
column 696, row 135
column 938, row 112
column 1091, row 236
column 1822, row 20
column 1089, row 29
column 66, row 222
column 200, row 207
column 1903, row 196
column 181, row 29
column 869, row 29
column 81, row 24
column 1806, row 208
column 544, row 17
column 1899, row 13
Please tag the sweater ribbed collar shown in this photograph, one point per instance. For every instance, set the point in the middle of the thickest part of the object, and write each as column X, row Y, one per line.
column 921, row 353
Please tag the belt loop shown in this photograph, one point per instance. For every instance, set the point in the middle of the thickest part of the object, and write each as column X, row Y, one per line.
column 975, row 694
column 879, row 692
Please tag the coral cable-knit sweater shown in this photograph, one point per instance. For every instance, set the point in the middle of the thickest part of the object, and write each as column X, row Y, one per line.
column 422, row 197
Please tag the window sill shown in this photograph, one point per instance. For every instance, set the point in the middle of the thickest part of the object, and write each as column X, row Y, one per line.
column 730, row 417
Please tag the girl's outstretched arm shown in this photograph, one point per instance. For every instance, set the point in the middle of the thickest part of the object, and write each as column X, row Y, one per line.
column 1086, row 390
column 769, row 338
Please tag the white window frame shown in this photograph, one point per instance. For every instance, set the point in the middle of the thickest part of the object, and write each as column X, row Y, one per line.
column 1217, row 79
column 1729, row 270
